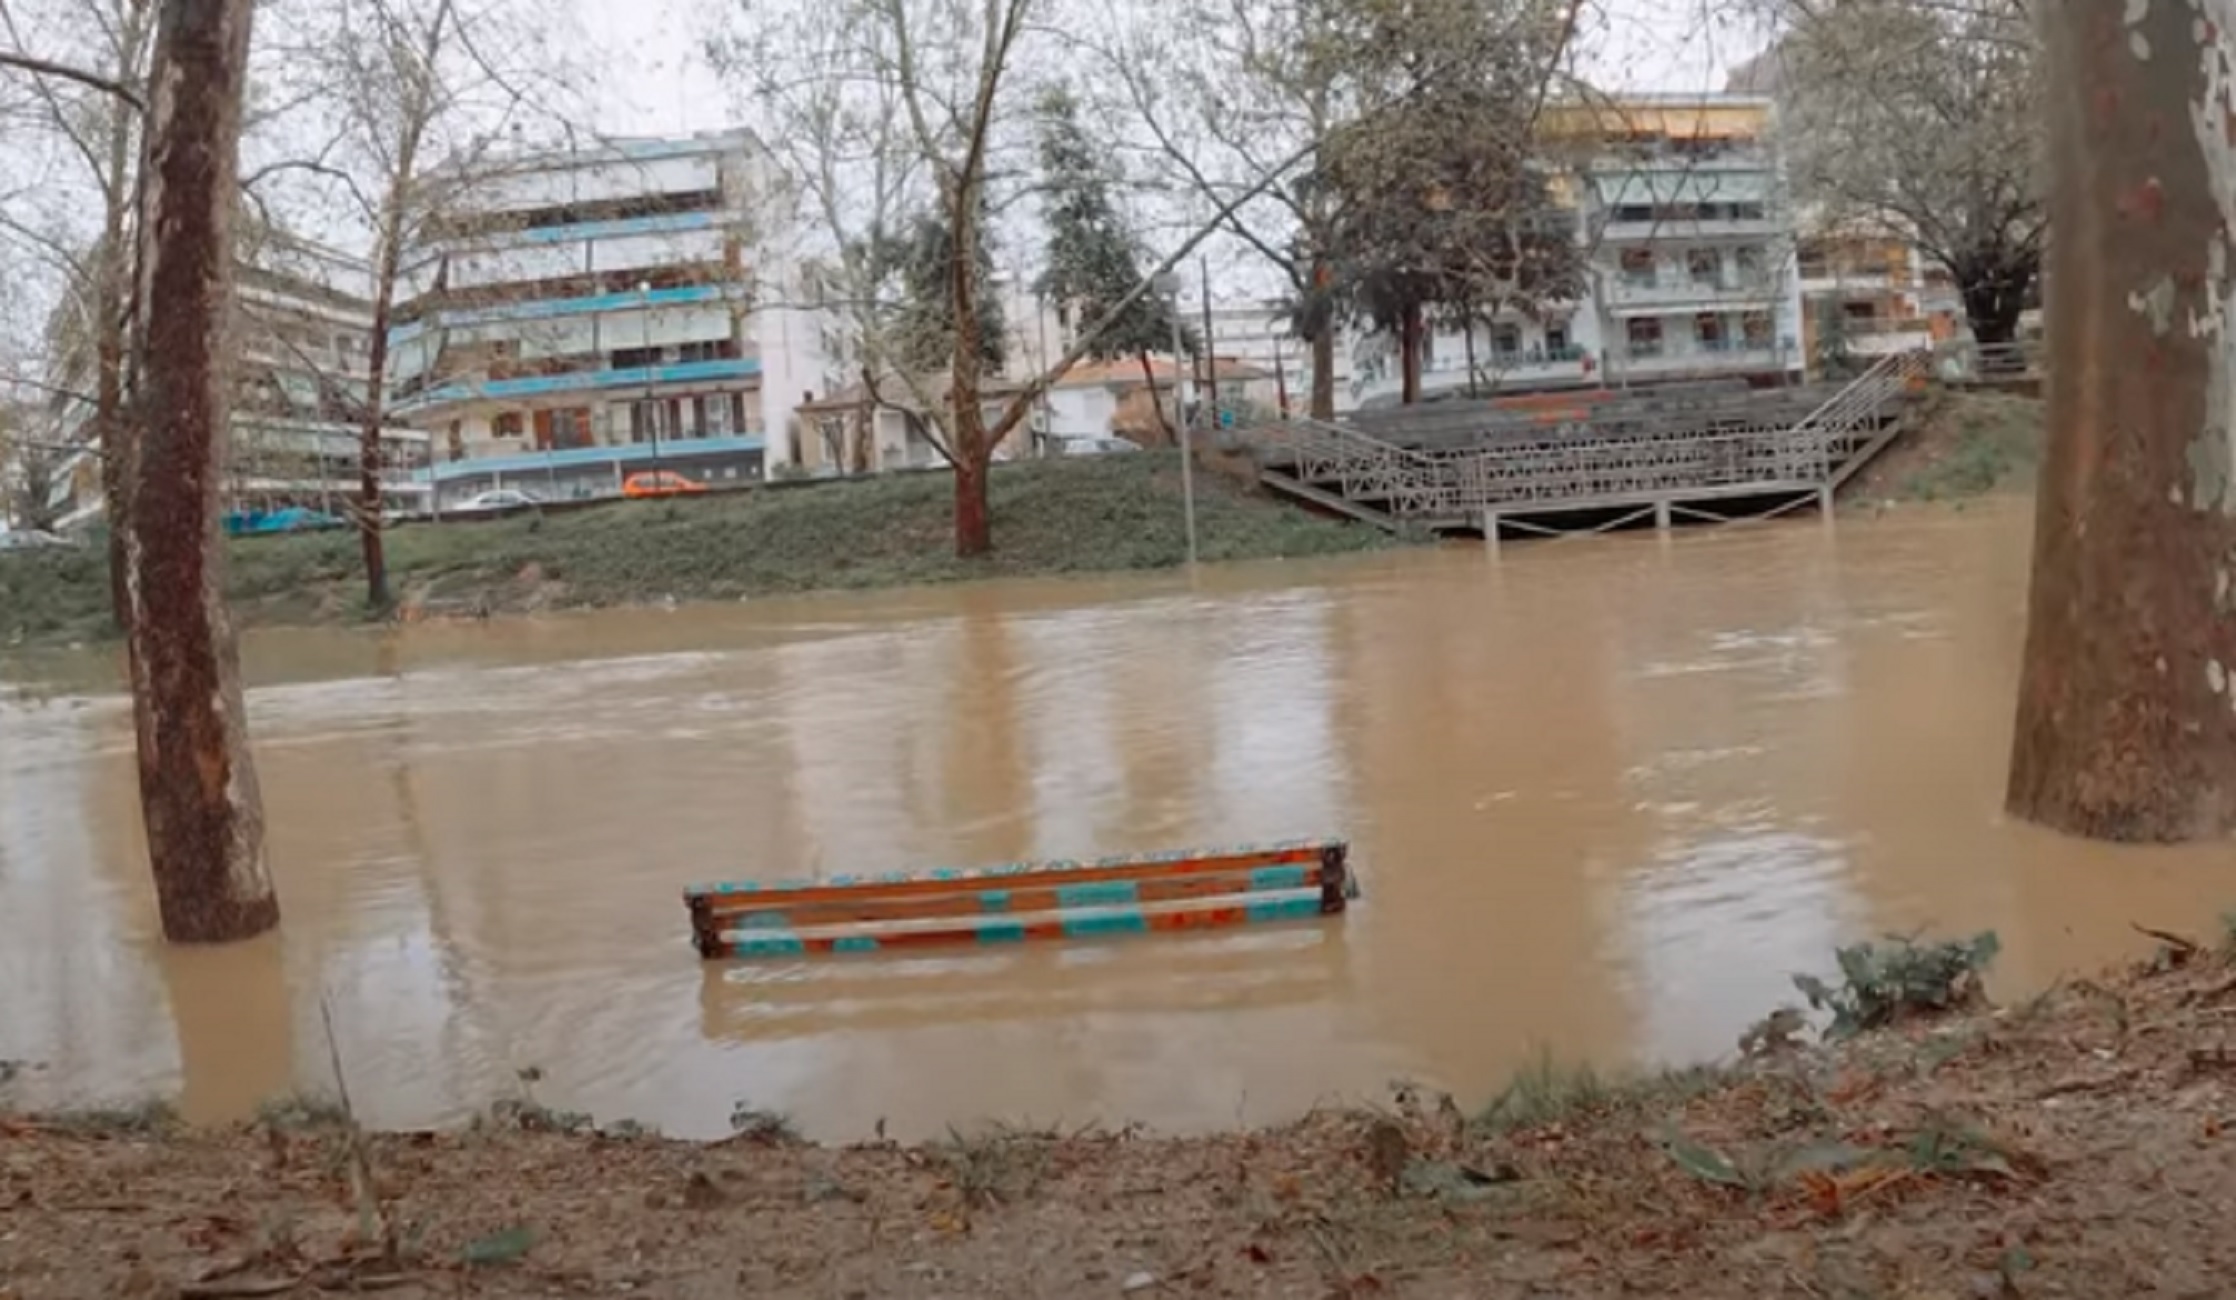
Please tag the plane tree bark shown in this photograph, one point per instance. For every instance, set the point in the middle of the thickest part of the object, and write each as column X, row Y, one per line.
column 2127, row 701
column 198, row 788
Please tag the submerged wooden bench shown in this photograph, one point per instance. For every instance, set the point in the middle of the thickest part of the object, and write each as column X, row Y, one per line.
column 1184, row 890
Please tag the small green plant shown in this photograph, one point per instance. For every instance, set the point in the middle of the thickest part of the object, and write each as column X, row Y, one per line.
column 154, row 1116
column 1883, row 983
column 770, row 1126
column 1545, row 1091
column 302, row 1110
column 998, row 1165
column 1548, row 1092
column 2228, row 931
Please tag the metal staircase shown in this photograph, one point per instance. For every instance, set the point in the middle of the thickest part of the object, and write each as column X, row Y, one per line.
column 1504, row 474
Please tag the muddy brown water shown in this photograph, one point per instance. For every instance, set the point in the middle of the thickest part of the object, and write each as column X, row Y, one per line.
column 1606, row 797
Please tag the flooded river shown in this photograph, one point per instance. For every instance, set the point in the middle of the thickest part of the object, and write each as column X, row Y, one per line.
column 1606, row 796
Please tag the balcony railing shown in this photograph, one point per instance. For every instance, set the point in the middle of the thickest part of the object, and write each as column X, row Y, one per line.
column 1705, row 353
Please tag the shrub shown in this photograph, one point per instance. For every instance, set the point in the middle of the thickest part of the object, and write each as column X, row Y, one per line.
column 1889, row 981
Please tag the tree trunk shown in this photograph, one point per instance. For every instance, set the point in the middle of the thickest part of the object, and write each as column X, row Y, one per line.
column 974, row 525
column 1994, row 283
column 973, row 454
column 1409, row 355
column 198, row 790
column 369, row 521
column 1323, row 343
column 110, row 296
column 2127, row 708
column 1323, row 375
column 1166, row 436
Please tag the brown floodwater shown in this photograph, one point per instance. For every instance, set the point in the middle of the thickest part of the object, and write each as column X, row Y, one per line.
column 1606, row 795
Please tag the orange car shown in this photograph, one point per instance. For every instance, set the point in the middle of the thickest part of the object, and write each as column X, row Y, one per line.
column 659, row 483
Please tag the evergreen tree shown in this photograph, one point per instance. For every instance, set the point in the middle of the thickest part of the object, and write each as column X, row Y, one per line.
column 921, row 257
column 1094, row 260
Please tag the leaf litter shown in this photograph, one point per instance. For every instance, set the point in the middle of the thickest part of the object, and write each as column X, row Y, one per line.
column 1930, row 1155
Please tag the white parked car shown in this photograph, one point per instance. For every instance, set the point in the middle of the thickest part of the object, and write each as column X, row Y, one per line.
column 1097, row 446
column 496, row 501
column 31, row 539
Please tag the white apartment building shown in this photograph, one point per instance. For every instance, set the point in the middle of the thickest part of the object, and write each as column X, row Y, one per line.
column 304, row 325
column 1691, row 240
column 590, row 314
column 1689, row 247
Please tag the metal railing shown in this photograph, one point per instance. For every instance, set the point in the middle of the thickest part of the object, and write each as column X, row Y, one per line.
column 1460, row 485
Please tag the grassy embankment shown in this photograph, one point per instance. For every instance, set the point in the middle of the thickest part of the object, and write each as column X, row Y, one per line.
column 2071, row 1145
column 1966, row 444
column 1051, row 517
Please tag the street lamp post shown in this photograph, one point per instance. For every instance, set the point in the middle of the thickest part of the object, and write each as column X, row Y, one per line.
column 651, row 410
column 1168, row 284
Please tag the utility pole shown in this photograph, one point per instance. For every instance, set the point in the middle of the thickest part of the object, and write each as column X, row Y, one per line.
column 1210, row 350
column 2127, row 698
column 1168, row 284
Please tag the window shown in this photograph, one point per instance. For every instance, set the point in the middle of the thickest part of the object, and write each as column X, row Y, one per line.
column 715, row 350
column 1860, row 311
column 1704, row 267
column 568, row 428
column 635, row 358
column 1644, row 335
column 457, row 440
column 1708, row 327
column 1556, row 342
column 1748, row 260
column 508, row 424
column 1506, row 340
column 1638, row 267
column 1755, row 328
column 1747, row 212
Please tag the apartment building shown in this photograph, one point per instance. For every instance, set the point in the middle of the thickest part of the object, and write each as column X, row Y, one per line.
column 1680, row 211
column 1865, row 296
column 305, row 331
column 584, row 315
column 1692, row 254
column 302, row 333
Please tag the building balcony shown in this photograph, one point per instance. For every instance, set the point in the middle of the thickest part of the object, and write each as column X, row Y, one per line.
column 623, row 458
column 1886, row 337
column 544, row 309
column 1637, row 296
column 1677, row 231
column 1495, row 372
column 457, row 390
column 1681, row 359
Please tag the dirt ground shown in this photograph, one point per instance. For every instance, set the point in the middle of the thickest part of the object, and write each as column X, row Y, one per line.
column 2077, row 1145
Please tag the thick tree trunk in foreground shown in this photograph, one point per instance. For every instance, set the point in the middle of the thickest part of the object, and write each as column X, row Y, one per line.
column 2127, row 707
column 198, row 791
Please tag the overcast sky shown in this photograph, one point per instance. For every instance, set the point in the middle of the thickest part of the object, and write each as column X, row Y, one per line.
column 660, row 84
